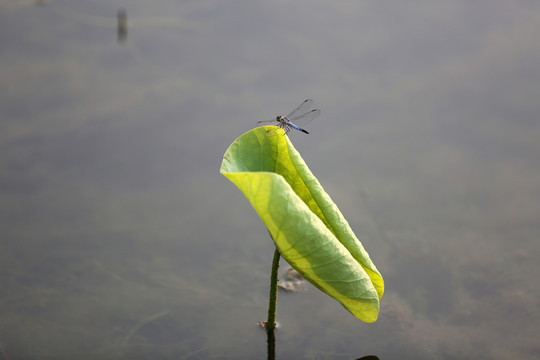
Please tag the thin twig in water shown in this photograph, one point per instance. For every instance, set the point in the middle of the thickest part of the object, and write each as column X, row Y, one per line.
column 142, row 323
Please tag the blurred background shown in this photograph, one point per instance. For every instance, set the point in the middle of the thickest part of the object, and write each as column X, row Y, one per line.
column 119, row 239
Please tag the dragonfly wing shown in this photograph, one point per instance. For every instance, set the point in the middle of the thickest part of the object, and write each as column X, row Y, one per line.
column 305, row 118
column 267, row 121
column 301, row 109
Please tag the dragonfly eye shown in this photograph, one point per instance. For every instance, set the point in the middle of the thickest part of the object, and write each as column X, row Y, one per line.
column 278, row 118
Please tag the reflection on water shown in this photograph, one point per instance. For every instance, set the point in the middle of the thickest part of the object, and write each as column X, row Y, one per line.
column 121, row 240
column 121, row 30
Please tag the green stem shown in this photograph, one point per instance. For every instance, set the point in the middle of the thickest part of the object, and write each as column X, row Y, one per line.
column 271, row 322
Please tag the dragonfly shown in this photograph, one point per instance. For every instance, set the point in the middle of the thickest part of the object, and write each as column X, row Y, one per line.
column 300, row 116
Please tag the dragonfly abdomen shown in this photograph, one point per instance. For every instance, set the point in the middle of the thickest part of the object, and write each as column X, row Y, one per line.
column 296, row 127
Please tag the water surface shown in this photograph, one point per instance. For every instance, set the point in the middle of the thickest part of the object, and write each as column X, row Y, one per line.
column 121, row 240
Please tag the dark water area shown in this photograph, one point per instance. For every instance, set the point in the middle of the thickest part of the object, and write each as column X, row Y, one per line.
column 121, row 240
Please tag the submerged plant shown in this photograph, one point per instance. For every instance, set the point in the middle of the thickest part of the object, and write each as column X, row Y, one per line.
column 307, row 227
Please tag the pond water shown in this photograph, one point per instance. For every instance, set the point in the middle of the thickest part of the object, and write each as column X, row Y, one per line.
column 121, row 240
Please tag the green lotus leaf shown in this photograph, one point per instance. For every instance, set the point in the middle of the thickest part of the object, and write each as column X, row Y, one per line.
column 307, row 227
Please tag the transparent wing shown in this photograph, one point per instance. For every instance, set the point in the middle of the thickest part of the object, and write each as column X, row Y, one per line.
column 304, row 119
column 304, row 107
column 267, row 121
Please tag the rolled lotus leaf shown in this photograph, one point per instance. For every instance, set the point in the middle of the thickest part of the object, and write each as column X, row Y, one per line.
column 307, row 227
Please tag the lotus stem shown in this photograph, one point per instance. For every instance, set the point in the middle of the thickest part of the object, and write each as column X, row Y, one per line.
column 271, row 322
